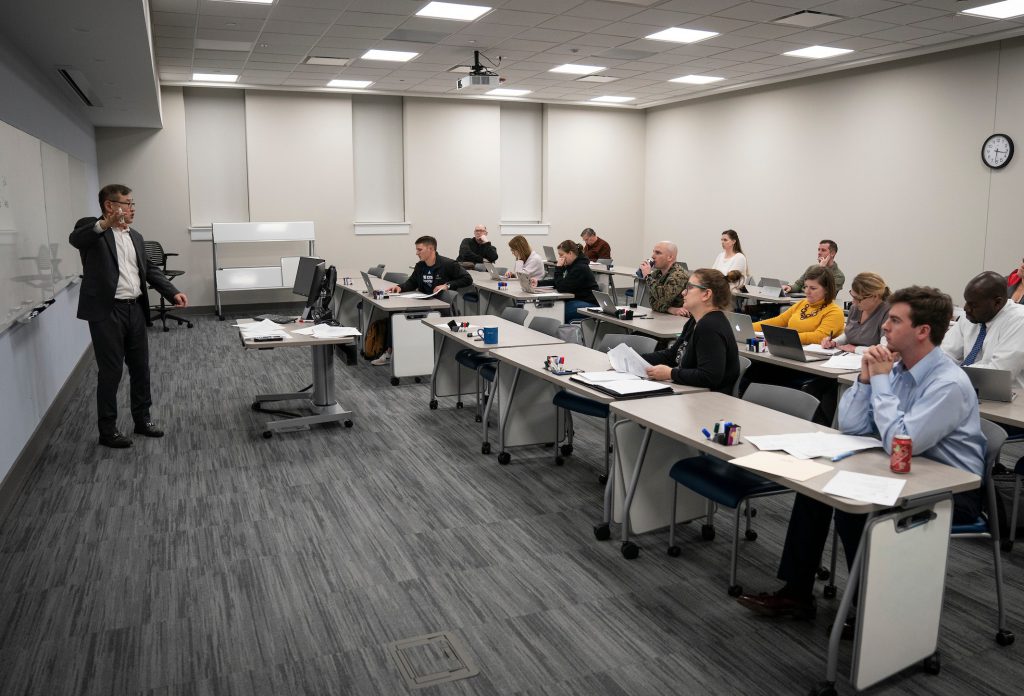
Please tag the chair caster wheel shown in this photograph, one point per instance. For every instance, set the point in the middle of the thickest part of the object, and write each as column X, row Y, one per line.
column 267, row 434
column 485, row 448
column 602, row 532
column 417, row 380
column 1005, row 638
column 189, row 325
column 751, row 535
column 256, row 406
column 707, row 532
column 458, row 404
column 1006, row 546
column 433, row 404
column 824, row 689
column 478, row 419
column 630, row 550
column 166, row 329
column 566, row 450
column 348, row 424
column 394, row 381
column 220, row 317
column 829, row 592
column 559, row 461
column 823, row 573
column 735, row 590
column 932, row 664
column 504, row 458
column 602, row 479
column 673, row 551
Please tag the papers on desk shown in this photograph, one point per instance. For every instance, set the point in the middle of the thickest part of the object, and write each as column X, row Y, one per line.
column 865, row 488
column 261, row 329
column 811, row 445
column 816, row 348
column 621, row 384
column 625, row 359
column 782, row 465
column 843, row 361
column 419, row 295
column 327, row 331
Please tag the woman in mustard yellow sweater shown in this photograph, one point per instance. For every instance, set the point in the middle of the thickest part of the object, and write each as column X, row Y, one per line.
column 816, row 317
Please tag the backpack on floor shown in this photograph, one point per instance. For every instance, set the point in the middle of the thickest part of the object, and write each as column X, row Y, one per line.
column 376, row 340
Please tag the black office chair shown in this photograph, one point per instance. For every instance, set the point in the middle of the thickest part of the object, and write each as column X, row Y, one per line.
column 396, row 277
column 377, row 270
column 155, row 256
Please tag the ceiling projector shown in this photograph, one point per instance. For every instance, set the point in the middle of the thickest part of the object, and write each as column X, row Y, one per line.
column 479, row 77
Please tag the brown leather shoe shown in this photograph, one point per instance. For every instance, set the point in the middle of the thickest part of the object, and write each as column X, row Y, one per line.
column 778, row 605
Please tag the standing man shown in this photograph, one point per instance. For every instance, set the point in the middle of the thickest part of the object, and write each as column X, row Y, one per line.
column 665, row 279
column 113, row 301
column 827, row 250
column 991, row 334
column 477, row 249
column 925, row 395
column 594, row 247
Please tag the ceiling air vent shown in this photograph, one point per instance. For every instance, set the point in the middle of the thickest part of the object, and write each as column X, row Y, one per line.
column 78, row 83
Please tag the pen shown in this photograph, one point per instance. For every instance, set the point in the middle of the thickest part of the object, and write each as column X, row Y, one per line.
column 707, row 435
column 842, row 456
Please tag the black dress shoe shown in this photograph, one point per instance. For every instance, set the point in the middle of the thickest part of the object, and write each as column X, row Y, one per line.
column 148, row 429
column 778, row 605
column 116, row 440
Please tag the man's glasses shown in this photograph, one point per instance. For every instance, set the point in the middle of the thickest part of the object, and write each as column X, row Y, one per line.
column 128, row 204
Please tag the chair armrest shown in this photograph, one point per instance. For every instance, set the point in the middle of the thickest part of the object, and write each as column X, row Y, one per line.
column 166, row 255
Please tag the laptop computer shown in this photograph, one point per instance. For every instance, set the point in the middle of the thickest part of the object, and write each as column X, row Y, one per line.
column 991, row 385
column 767, row 282
column 366, row 279
column 549, row 254
column 524, row 283
column 785, row 343
column 742, row 325
column 497, row 272
column 604, row 301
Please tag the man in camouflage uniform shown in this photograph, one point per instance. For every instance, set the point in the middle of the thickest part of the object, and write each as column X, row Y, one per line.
column 665, row 279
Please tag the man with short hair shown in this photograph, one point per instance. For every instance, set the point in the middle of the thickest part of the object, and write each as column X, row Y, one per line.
column 113, row 300
column 991, row 334
column 827, row 250
column 924, row 395
column 665, row 279
column 594, row 247
column 477, row 249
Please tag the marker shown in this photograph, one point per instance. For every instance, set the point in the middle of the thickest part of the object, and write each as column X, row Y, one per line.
column 842, row 456
column 707, row 435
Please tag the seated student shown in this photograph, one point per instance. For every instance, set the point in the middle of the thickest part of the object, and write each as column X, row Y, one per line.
column 665, row 278
column 527, row 260
column 924, row 395
column 732, row 259
column 572, row 274
column 431, row 273
column 476, row 249
column 870, row 297
column 705, row 354
column 1015, row 284
column 594, row 247
column 817, row 316
column 827, row 250
column 991, row 334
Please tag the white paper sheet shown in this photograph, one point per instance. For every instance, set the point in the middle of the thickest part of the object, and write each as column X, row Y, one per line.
column 810, row 445
column 843, row 361
column 865, row 487
column 782, row 465
column 325, row 331
column 606, row 376
column 255, row 327
column 816, row 348
column 624, row 359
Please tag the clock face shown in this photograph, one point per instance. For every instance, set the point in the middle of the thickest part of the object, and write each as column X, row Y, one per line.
column 997, row 151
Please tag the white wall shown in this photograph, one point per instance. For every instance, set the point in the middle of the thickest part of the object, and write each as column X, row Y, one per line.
column 885, row 161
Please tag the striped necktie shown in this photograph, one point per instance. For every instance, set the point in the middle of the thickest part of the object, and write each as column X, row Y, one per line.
column 976, row 349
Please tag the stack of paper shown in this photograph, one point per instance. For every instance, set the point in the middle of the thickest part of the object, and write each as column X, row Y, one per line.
column 866, row 488
column 817, row 444
column 843, row 361
column 261, row 329
column 620, row 383
column 625, row 359
column 327, row 331
column 782, row 465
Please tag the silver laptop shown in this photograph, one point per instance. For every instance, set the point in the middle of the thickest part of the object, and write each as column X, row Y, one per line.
column 549, row 254
column 770, row 282
column 497, row 272
column 742, row 325
column 369, row 285
column 991, row 385
column 524, row 283
column 785, row 343
column 604, row 301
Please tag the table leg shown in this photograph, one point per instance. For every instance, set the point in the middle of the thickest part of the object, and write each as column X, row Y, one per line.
column 629, row 549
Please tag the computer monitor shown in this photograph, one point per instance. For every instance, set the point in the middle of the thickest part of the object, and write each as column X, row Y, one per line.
column 313, row 291
column 304, row 274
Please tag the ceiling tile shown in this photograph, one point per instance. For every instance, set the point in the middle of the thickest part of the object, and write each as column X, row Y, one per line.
column 855, row 8
column 173, row 19
column 294, row 28
column 399, row 7
column 552, row 35
column 576, row 24
column 230, row 23
column 358, row 32
column 902, row 34
column 906, row 14
column 858, row 27
column 937, row 38
column 755, row 12
column 316, row 15
column 172, row 31
column 767, row 31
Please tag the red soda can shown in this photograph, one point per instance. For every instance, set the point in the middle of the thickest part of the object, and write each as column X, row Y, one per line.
column 902, row 451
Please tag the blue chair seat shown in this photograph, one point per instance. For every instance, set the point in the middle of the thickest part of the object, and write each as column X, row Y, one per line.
column 472, row 359
column 720, row 481
column 978, row 526
column 488, row 371
column 580, row 404
column 471, row 297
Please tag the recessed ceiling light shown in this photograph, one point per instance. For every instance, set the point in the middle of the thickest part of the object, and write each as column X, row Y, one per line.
column 817, row 52
column 451, row 10
column 325, row 60
column 396, row 56
column 680, row 35
column 998, row 10
column 502, row 92
column 350, row 84
column 613, row 100
column 575, row 69
column 597, row 78
column 696, row 79
column 213, row 77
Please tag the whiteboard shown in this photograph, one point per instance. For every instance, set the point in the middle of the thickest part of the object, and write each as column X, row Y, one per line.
column 226, row 232
column 252, row 278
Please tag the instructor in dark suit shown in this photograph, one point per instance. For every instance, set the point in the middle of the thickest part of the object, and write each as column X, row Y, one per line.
column 113, row 301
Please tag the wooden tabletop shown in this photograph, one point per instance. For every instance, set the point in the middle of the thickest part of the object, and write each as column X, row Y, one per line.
column 657, row 324
column 814, row 368
column 510, row 334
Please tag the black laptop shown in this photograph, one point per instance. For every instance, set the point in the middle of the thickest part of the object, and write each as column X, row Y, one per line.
column 785, row 343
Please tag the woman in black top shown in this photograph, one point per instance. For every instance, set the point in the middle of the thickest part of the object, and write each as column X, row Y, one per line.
column 573, row 274
column 705, row 353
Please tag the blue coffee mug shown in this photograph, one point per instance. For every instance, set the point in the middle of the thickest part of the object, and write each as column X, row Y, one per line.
column 489, row 334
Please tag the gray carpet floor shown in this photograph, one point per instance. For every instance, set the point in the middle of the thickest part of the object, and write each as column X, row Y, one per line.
column 213, row 561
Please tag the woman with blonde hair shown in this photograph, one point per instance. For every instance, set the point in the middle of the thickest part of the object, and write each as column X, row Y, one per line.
column 870, row 297
column 528, row 261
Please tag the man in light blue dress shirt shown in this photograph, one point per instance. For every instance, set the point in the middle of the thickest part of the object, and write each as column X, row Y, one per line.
column 909, row 386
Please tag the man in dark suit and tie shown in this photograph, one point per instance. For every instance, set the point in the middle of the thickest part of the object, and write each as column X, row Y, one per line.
column 113, row 301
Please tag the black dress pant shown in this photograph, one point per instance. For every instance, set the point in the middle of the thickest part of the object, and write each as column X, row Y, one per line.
column 120, row 339
column 808, row 531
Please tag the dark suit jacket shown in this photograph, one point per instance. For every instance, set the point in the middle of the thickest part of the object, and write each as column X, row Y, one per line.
column 99, row 270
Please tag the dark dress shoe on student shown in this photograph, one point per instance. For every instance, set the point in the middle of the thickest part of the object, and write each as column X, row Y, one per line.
column 778, row 605
column 116, row 440
column 148, row 429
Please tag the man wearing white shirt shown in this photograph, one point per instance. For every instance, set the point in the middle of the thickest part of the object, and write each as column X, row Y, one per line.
column 991, row 335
